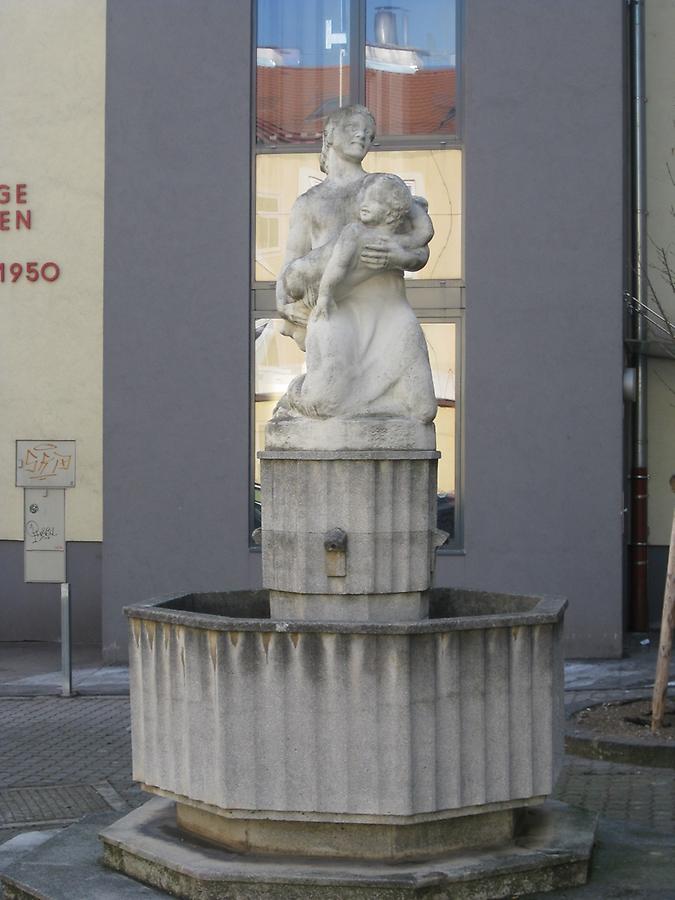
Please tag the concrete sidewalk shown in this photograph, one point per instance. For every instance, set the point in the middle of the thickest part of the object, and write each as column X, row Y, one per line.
column 33, row 669
column 65, row 758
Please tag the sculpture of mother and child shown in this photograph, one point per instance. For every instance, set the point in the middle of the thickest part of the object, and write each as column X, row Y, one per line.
column 341, row 291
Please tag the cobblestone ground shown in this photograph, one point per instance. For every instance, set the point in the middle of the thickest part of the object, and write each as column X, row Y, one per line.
column 642, row 796
column 61, row 758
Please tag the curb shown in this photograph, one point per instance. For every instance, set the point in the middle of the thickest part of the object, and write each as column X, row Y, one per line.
column 581, row 742
column 584, row 744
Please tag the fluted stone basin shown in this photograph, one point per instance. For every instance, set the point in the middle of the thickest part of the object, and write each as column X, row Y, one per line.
column 250, row 718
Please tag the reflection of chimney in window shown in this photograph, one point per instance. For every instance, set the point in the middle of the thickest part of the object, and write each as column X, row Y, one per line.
column 386, row 31
column 386, row 54
column 387, row 20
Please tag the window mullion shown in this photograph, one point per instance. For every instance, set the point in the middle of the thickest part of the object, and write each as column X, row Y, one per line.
column 357, row 51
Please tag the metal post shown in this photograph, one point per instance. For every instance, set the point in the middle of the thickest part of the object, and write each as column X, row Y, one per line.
column 66, row 657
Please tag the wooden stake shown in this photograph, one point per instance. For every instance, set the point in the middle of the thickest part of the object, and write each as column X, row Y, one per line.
column 666, row 639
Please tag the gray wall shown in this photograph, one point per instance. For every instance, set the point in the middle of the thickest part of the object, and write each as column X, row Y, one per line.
column 32, row 612
column 176, row 357
column 657, row 569
column 544, row 224
column 543, row 136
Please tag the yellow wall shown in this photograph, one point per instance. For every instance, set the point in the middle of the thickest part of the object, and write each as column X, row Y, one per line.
column 660, row 138
column 52, row 88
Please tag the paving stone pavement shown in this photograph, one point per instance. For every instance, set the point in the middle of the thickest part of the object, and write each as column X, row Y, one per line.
column 642, row 796
column 62, row 758
column 53, row 740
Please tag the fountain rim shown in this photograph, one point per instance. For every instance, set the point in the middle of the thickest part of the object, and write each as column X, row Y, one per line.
column 545, row 610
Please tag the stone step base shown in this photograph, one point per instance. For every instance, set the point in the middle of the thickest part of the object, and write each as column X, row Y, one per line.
column 383, row 842
column 552, row 850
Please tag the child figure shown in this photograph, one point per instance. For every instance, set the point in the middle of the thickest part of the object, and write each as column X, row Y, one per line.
column 384, row 202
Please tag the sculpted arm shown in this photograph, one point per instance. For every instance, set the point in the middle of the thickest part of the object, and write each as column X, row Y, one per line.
column 341, row 261
column 299, row 243
column 298, row 282
column 409, row 250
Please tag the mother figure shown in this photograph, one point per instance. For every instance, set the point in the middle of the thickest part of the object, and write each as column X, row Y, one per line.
column 368, row 356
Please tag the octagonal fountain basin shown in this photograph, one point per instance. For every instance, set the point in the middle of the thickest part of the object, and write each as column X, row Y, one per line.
column 249, row 717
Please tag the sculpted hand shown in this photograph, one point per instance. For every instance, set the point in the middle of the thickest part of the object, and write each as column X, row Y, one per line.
column 383, row 253
column 296, row 312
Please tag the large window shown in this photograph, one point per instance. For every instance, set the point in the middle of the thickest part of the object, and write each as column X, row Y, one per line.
column 314, row 56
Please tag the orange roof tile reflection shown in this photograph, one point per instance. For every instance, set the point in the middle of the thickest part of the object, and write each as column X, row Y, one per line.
column 293, row 102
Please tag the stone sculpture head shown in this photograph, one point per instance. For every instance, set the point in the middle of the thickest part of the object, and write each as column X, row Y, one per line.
column 350, row 131
column 383, row 199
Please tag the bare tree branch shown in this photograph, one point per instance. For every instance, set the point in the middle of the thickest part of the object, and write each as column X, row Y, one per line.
column 655, row 298
column 670, row 174
column 664, row 382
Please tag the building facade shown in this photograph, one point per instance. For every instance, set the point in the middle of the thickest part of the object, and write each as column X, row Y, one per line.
column 190, row 128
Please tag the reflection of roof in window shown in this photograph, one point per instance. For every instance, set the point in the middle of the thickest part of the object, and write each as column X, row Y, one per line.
column 393, row 59
column 277, row 56
column 292, row 102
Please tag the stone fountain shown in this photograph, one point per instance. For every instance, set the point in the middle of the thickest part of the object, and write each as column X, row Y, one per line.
column 349, row 731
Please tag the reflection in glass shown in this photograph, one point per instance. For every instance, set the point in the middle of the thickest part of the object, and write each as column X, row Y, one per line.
column 441, row 344
column 411, row 66
column 278, row 360
column 302, row 71
column 433, row 174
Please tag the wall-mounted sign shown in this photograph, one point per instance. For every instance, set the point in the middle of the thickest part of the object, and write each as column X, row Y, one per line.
column 49, row 464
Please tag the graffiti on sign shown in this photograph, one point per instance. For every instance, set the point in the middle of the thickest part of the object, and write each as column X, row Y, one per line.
column 43, row 461
column 48, row 463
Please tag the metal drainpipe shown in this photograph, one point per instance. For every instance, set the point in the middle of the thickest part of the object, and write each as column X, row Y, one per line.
column 639, row 475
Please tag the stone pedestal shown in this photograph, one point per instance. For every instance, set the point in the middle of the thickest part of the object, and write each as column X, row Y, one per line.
column 349, row 535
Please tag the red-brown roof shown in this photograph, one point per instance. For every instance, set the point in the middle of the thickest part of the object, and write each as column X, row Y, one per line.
column 292, row 102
